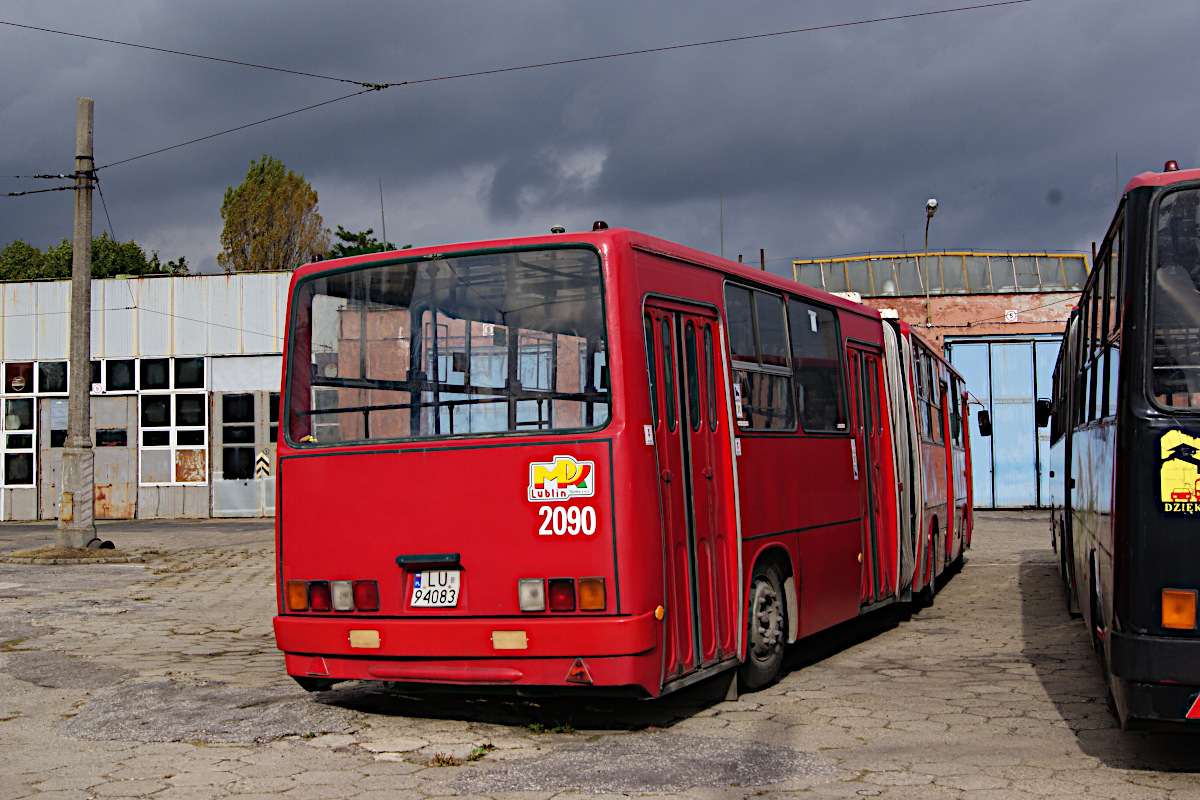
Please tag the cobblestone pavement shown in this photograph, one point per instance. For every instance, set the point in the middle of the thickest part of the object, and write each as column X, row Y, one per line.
column 162, row 680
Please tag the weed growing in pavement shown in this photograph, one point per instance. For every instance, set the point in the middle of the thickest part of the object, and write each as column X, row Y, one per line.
column 537, row 727
column 480, row 752
column 443, row 760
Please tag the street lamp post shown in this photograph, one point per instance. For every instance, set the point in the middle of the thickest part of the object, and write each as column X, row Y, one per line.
column 931, row 206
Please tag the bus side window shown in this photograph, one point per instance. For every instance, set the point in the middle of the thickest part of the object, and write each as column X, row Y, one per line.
column 1113, row 333
column 816, row 361
column 693, row 379
column 762, row 371
column 711, row 370
column 648, row 324
column 668, row 372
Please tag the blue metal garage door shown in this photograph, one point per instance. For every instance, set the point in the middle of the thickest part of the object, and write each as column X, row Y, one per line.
column 1011, row 468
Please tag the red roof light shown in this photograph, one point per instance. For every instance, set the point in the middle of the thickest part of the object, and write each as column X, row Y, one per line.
column 1171, row 166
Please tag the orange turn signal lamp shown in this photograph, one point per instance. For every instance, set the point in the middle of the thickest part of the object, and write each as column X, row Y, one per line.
column 1179, row 609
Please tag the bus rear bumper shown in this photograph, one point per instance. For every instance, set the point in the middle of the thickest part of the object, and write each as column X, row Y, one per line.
column 1154, row 659
column 1154, row 706
column 615, row 651
column 1156, row 680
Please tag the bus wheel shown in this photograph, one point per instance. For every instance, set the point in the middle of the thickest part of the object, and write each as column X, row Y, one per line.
column 930, row 589
column 962, row 544
column 767, row 627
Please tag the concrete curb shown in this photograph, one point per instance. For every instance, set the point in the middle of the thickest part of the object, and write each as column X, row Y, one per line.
column 64, row 561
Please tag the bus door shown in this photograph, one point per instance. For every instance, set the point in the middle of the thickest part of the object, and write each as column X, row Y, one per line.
column 878, row 577
column 691, row 444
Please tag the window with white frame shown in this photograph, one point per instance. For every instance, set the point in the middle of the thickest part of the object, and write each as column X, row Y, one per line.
column 24, row 381
column 173, row 416
column 20, row 424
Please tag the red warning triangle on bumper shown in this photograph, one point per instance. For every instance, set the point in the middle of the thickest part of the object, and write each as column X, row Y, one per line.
column 1194, row 711
column 317, row 667
column 578, row 673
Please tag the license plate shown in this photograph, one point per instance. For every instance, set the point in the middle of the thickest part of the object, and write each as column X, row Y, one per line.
column 435, row 588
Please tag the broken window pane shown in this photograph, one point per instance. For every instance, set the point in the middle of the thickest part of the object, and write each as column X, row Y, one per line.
column 190, row 466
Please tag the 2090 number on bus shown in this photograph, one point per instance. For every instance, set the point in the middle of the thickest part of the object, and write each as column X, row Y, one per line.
column 567, row 520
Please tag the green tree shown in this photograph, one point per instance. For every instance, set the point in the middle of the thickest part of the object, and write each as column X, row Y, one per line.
column 356, row 244
column 20, row 261
column 271, row 221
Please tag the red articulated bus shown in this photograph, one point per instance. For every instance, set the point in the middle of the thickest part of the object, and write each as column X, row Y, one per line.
column 942, row 528
column 596, row 460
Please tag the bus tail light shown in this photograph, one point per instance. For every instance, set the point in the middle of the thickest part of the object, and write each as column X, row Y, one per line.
column 297, row 595
column 562, row 594
column 531, row 594
column 591, row 594
column 1179, row 609
column 366, row 595
column 342, row 593
column 319, row 597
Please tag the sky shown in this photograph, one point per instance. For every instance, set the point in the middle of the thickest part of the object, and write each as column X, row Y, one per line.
column 1024, row 120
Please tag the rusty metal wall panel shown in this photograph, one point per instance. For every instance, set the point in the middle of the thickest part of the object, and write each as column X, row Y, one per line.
column 53, row 334
column 20, row 322
column 53, row 414
column 20, row 504
column 259, row 298
column 119, row 328
column 115, row 466
column 283, row 282
column 154, row 329
column 189, row 306
column 172, row 502
column 224, row 313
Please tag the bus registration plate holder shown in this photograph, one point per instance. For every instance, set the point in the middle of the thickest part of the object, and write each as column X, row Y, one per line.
column 435, row 588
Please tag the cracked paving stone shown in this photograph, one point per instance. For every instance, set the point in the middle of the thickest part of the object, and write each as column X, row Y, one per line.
column 198, row 711
column 660, row 762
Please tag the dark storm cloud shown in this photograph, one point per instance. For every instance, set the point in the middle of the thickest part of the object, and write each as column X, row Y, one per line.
column 819, row 143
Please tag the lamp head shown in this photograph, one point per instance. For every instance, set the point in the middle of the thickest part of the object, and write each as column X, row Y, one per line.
column 930, row 207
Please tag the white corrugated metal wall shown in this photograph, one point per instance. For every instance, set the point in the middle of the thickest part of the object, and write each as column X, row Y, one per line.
column 207, row 316
column 194, row 315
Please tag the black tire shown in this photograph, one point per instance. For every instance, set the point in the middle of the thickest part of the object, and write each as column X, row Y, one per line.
column 930, row 590
column 957, row 565
column 766, row 628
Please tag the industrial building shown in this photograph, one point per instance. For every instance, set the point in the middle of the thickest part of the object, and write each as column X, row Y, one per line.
column 186, row 374
column 999, row 318
column 185, row 390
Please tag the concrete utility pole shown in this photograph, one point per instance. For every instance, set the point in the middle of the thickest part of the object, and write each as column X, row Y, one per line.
column 76, row 523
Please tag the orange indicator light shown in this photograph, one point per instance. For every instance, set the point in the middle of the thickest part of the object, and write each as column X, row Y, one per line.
column 591, row 594
column 1179, row 609
column 297, row 595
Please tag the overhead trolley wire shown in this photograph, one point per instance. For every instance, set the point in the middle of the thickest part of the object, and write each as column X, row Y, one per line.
column 374, row 87
column 182, row 53
column 40, row 191
column 238, row 128
column 708, row 42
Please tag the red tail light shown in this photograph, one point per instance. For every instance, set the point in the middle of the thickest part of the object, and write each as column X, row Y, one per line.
column 319, row 597
column 562, row 594
column 366, row 595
